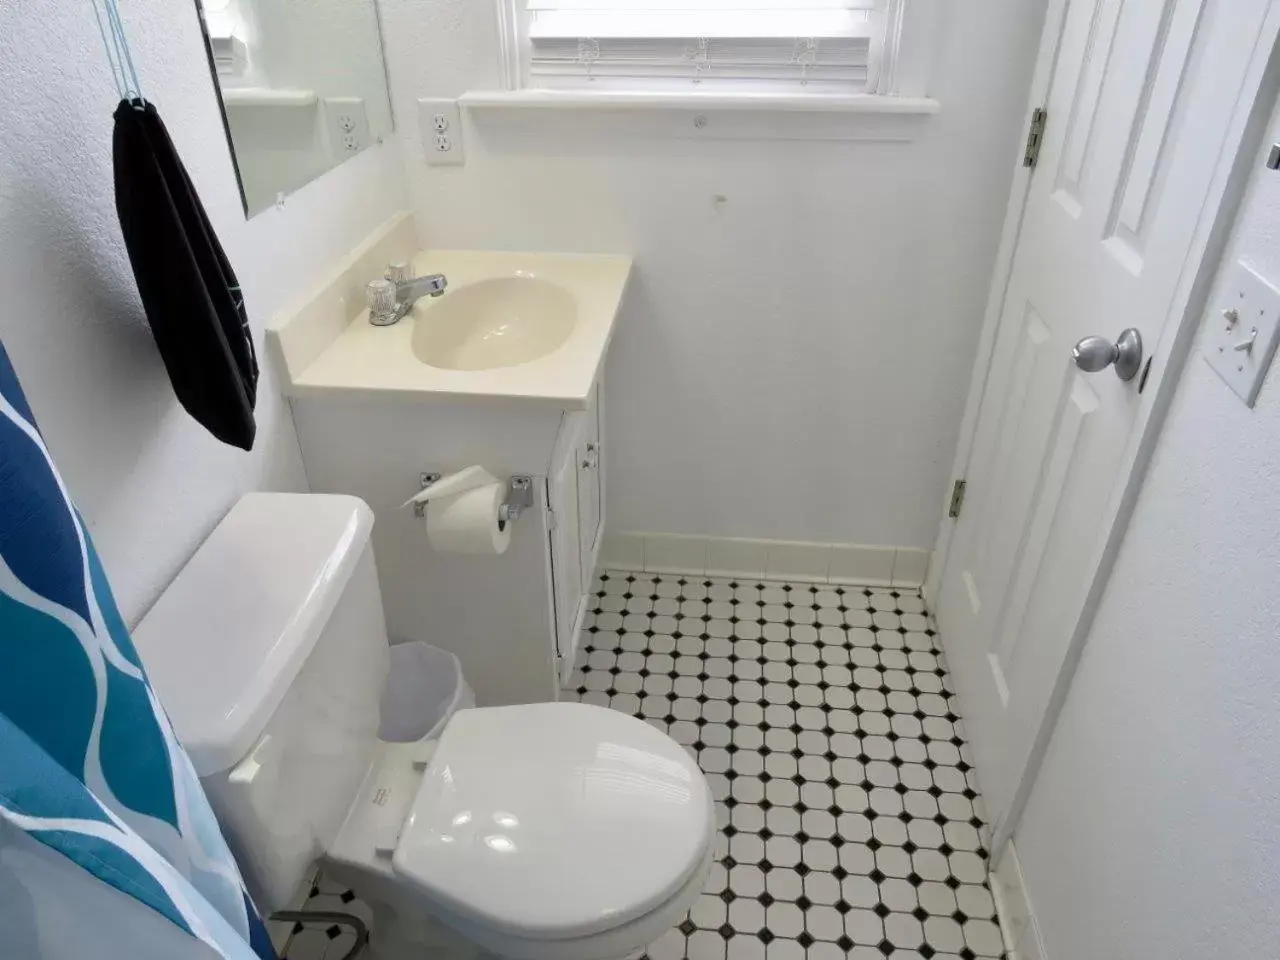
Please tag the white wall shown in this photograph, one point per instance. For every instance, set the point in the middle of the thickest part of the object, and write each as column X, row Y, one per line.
column 150, row 482
column 1153, row 829
column 791, row 364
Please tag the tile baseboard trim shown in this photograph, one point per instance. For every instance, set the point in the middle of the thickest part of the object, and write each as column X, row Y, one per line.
column 837, row 563
column 1013, row 909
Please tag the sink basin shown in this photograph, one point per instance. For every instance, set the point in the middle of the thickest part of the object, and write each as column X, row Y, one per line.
column 528, row 328
column 493, row 323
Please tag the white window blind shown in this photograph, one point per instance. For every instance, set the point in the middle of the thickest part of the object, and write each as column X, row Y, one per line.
column 823, row 45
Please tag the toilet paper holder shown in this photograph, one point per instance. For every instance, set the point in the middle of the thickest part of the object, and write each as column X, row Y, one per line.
column 519, row 497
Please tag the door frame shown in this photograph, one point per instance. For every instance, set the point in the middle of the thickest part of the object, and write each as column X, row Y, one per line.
column 1240, row 149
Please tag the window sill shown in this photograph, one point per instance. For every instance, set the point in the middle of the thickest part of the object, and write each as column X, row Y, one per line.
column 623, row 100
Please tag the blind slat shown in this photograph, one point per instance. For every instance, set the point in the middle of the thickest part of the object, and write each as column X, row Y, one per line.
column 642, row 6
column 813, row 41
column 704, row 23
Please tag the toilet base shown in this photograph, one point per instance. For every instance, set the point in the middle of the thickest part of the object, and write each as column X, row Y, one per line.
column 396, row 937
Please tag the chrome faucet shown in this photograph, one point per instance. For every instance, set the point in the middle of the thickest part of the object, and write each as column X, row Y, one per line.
column 391, row 298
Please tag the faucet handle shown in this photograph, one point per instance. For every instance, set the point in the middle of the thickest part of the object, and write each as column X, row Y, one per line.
column 398, row 272
column 380, row 297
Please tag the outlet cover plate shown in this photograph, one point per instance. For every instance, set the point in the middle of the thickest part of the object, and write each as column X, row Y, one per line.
column 1255, row 304
column 440, row 123
column 347, row 126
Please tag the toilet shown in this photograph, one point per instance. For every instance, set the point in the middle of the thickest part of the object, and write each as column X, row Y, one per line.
column 550, row 830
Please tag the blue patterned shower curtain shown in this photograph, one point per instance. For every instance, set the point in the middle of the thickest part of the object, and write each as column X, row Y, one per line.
column 108, row 847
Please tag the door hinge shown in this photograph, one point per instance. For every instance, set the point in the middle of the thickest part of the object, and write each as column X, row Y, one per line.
column 957, row 499
column 552, row 522
column 1035, row 137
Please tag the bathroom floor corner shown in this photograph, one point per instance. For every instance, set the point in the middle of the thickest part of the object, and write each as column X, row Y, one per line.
column 826, row 723
column 320, row 941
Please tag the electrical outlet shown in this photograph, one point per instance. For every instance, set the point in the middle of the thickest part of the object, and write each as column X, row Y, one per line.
column 441, row 124
column 347, row 123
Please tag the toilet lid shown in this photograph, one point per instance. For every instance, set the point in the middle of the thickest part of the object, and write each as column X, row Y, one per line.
column 554, row 820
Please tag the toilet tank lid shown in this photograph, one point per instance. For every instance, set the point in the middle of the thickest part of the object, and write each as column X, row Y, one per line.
column 227, row 638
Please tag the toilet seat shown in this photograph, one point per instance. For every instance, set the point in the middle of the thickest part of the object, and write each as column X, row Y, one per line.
column 554, row 822
column 609, row 944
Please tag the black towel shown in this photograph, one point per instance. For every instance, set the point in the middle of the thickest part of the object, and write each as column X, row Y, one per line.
column 188, row 289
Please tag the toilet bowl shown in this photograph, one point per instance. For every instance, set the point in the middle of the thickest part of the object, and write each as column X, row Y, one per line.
column 561, row 831
column 555, row 830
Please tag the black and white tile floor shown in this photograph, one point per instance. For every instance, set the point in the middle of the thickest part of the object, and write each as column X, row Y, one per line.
column 824, row 719
column 318, row 940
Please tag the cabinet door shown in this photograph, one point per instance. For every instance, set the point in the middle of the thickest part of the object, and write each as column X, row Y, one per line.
column 566, row 550
column 590, row 493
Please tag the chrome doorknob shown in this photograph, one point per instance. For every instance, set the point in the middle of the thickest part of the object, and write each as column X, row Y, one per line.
column 1097, row 353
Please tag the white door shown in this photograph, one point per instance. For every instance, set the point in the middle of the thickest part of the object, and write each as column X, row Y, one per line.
column 1141, row 99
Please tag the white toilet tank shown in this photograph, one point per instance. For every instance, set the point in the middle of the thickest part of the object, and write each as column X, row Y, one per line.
column 269, row 654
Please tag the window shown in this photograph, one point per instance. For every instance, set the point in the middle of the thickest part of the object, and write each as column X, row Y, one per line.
column 783, row 46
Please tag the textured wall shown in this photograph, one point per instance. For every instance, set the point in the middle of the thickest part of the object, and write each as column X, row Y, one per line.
column 791, row 363
column 150, row 482
column 1154, row 827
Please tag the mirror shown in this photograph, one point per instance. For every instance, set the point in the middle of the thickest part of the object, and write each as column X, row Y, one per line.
column 303, row 87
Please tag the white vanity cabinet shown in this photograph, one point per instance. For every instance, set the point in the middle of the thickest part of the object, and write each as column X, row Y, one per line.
column 512, row 619
column 575, row 502
column 451, row 385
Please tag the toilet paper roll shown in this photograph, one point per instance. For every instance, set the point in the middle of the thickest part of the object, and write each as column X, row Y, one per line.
column 467, row 522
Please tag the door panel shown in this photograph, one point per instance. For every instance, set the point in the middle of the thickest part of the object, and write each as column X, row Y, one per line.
column 1092, row 57
column 566, row 557
column 1152, row 132
column 1141, row 99
column 589, row 494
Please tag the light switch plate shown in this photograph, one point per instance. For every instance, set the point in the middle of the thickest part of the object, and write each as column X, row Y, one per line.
column 1243, row 328
column 441, row 124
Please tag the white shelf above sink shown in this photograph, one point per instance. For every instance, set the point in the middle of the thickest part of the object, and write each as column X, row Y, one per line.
column 268, row 97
